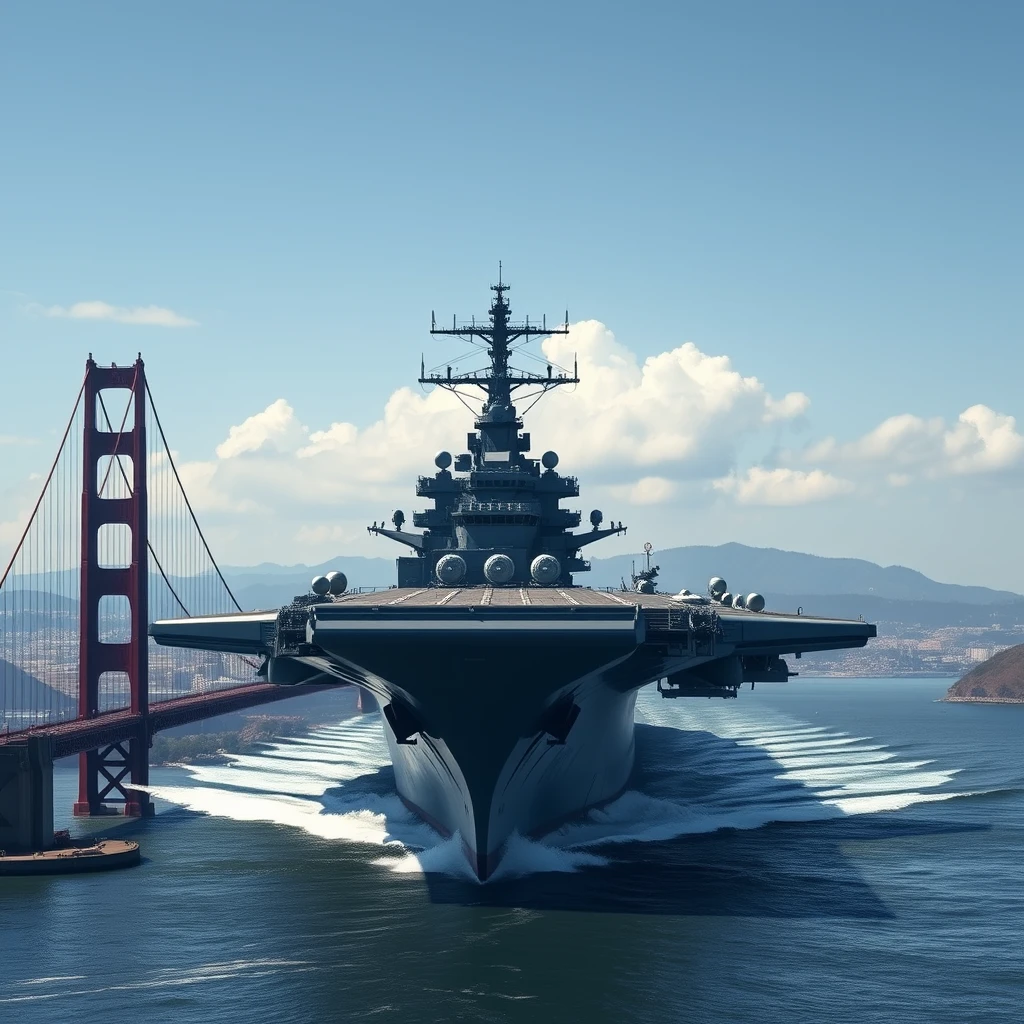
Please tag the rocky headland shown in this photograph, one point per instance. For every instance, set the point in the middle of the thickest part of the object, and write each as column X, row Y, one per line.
column 1000, row 680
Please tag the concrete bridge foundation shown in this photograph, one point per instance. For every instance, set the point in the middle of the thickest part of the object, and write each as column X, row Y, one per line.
column 26, row 795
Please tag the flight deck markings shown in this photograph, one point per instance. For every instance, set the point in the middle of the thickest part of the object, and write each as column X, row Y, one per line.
column 524, row 596
column 488, row 594
column 447, row 598
column 614, row 597
column 406, row 597
column 568, row 597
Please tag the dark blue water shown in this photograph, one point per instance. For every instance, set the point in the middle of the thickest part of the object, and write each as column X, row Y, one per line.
column 817, row 851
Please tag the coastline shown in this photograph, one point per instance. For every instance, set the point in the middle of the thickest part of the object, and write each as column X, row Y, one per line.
column 981, row 700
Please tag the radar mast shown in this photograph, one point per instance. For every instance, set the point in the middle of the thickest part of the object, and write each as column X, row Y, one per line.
column 500, row 338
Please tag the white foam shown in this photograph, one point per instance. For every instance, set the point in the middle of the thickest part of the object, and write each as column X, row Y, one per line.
column 734, row 768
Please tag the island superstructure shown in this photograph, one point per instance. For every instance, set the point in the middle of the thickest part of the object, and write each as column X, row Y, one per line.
column 507, row 688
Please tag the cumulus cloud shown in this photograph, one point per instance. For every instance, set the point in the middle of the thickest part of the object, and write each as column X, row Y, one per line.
column 782, row 486
column 648, row 490
column 677, row 407
column 639, row 427
column 276, row 428
column 150, row 316
column 981, row 440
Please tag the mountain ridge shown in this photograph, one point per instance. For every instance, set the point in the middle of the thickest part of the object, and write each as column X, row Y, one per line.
column 772, row 571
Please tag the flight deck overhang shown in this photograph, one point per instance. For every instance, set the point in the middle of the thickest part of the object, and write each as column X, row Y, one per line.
column 237, row 633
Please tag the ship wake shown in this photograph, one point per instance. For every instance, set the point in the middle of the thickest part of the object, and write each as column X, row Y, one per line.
column 700, row 769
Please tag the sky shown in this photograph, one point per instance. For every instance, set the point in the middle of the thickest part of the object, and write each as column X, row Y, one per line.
column 789, row 236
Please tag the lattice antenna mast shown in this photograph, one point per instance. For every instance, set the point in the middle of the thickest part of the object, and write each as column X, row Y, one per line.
column 500, row 338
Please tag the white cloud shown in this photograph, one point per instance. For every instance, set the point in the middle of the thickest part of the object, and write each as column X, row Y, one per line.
column 782, row 486
column 274, row 429
column 152, row 316
column 648, row 490
column 678, row 407
column 682, row 413
column 981, row 440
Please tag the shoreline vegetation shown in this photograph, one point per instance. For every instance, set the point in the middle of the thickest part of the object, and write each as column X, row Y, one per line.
column 219, row 747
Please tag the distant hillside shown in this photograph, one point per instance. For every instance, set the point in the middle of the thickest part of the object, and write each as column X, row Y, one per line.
column 23, row 691
column 1001, row 678
column 772, row 571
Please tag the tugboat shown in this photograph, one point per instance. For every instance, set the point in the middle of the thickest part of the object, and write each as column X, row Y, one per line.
column 507, row 688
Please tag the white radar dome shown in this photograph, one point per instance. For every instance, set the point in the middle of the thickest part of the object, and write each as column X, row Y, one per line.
column 499, row 569
column 739, row 601
column 717, row 586
column 450, row 568
column 320, row 586
column 645, row 586
column 545, row 569
column 726, row 599
column 755, row 602
column 338, row 583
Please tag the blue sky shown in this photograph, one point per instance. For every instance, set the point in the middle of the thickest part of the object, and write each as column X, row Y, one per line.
column 829, row 195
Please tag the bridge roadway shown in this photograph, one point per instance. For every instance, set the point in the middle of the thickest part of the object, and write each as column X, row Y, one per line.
column 81, row 734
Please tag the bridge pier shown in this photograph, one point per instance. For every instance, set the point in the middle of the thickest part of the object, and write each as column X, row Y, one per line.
column 26, row 795
column 105, row 776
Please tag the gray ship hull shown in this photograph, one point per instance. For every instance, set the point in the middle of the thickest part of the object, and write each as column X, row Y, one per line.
column 485, row 784
column 506, row 710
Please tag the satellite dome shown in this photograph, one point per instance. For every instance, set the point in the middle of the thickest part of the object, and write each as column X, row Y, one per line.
column 499, row 569
column 545, row 569
column 717, row 586
column 450, row 568
column 739, row 601
column 337, row 583
column 443, row 460
column 596, row 518
column 549, row 460
column 755, row 602
column 645, row 586
column 320, row 586
column 726, row 599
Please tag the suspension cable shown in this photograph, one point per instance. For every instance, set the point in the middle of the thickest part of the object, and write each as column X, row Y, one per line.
column 46, row 484
column 188, row 504
column 124, row 476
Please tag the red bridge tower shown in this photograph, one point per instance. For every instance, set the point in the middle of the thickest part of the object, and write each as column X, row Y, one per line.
column 107, row 775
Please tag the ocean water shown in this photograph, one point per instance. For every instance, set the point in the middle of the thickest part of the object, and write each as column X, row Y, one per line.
column 819, row 851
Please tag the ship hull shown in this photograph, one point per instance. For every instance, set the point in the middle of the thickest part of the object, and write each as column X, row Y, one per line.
column 488, row 784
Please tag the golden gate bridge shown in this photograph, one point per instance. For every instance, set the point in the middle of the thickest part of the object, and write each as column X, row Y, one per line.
column 111, row 543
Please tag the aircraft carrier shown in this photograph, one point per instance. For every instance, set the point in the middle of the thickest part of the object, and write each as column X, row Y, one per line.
column 507, row 688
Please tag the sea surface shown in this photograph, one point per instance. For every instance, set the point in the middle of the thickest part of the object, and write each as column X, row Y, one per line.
column 819, row 851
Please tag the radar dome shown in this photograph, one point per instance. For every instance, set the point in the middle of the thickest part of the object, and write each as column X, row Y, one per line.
column 337, row 583
column 755, row 602
column 645, row 586
column 545, row 569
column 549, row 460
column 596, row 518
column 450, row 568
column 726, row 599
column 499, row 569
column 443, row 460
column 717, row 586
column 739, row 601
column 320, row 586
